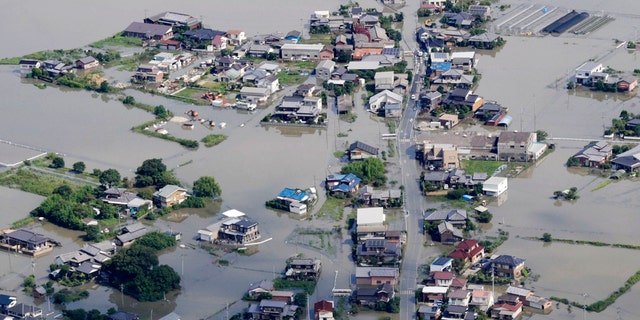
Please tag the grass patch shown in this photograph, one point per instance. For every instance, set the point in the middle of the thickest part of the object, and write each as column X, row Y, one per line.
column 282, row 284
column 10, row 61
column 602, row 184
column 190, row 93
column 392, row 127
column 31, row 182
column 314, row 38
column 392, row 148
column 339, row 154
column 290, row 78
column 213, row 140
column 117, row 40
column 23, row 222
column 473, row 166
column 458, row 203
column 333, row 208
column 189, row 144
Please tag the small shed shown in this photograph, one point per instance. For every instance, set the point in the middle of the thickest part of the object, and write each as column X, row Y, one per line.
column 480, row 209
column 298, row 207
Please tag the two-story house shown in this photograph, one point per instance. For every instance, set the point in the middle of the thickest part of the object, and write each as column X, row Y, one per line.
column 508, row 266
column 376, row 275
column 170, row 195
column 468, row 251
column 514, row 146
column 269, row 309
column 304, row 269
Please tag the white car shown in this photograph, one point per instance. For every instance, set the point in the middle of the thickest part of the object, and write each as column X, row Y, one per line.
column 413, row 97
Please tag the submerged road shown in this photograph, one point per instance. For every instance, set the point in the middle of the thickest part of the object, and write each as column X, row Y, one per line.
column 414, row 202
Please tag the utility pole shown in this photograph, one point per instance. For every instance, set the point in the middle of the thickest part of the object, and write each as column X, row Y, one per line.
column 584, row 306
column 122, row 294
column 493, row 281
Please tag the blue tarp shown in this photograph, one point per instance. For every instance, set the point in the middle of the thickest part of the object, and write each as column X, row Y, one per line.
column 467, row 197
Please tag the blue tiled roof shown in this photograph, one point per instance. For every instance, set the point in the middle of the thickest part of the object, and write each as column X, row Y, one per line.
column 294, row 194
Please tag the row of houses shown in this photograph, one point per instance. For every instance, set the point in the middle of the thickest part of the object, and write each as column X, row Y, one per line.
column 53, row 67
column 443, row 151
column 591, row 73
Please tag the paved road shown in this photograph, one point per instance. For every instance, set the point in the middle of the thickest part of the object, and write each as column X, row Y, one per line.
column 415, row 203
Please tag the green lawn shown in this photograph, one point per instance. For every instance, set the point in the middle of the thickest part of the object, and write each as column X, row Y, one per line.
column 190, row 93
column 290, row 78
column 473, row 166
column 117, row 41
column 318, row 38
column 333, row 208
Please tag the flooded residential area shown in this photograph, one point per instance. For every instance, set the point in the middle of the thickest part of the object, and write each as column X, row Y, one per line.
column 577, row 251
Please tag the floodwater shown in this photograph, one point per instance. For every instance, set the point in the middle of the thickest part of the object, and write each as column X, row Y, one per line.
column 256, row 162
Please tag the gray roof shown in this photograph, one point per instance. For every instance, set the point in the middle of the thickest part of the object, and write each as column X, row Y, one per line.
column 171, row 316
column 446, row 214
column 88, row 59
column 456, row 309
column 272, row 304
column 128, row 237
column 28, row 236
column 167, row 190
column 364, row 147
column 148, row 28
column 508, row 260
column 447, row 226
column 134, row 227
column 366, row 272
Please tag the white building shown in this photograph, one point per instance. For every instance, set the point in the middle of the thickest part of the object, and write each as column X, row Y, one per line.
column 584, row 72
column 495, row 186
column 297, row 51
column 370, row 216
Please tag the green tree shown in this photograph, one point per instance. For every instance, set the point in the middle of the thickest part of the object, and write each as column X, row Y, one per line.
column 79, row 167
column 57, row 162
column 370, row 170
column 36, row 72
column 206, row 187
column 156, row 240
column 541, row 135
column 129, row 100
column 546, row 237
column 624, row 115
column 93, row 234
column 161, row 112
column 110, row 177
column 151, row 168
column 104, row 87
column 64, row 191
column 484, row 217
column 29, row 283
column 300, row 299
column 573, row 162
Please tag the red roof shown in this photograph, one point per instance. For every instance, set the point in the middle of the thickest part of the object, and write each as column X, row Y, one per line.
column 507, row 306
column 459, row 283
column 170, row 42
column 458, row 254
column 475, row 251
column 467, row 244
column 442, row 275
column 322, row 305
